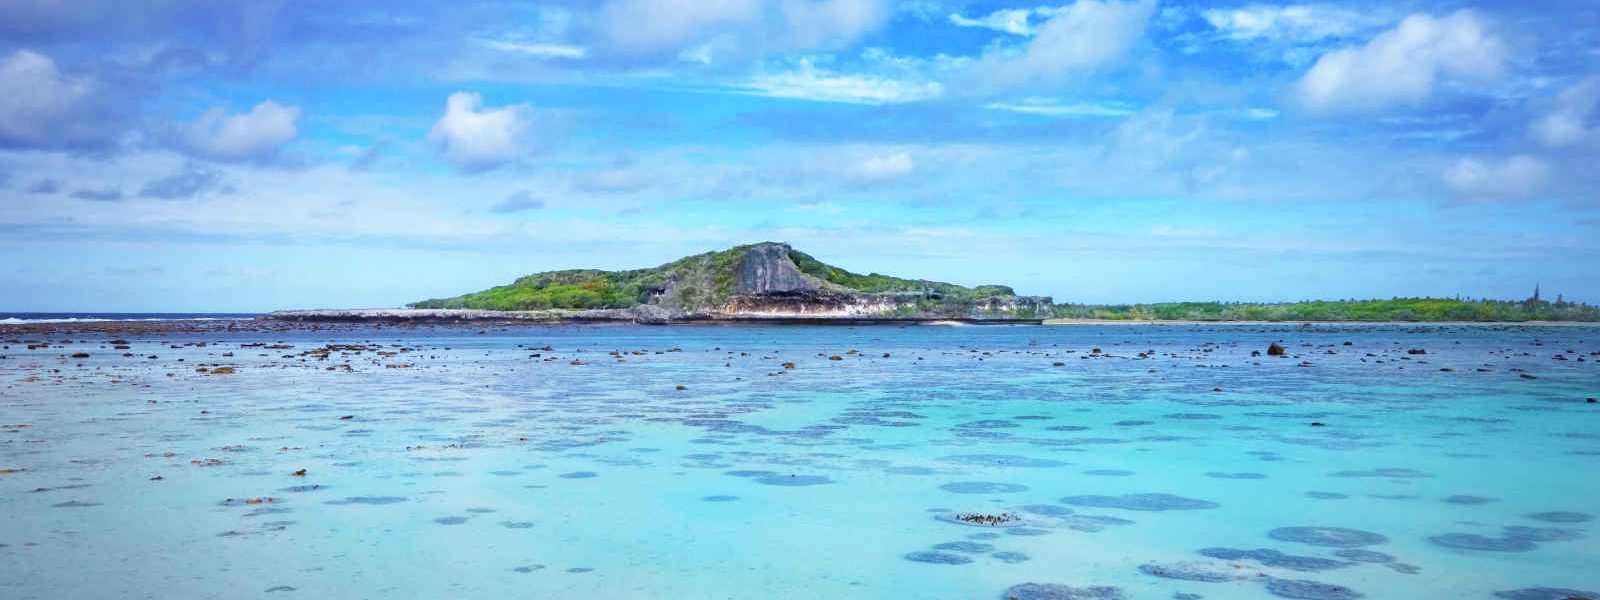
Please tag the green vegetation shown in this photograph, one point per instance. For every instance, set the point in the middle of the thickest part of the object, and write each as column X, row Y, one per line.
column 710, row 274
column 581, row 288
column 1397, row 309
column 874, row 283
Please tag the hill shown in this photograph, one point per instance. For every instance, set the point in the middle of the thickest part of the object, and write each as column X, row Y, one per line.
column 768, row 280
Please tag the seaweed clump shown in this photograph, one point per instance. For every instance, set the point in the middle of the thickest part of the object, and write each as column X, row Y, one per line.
column 984, row 519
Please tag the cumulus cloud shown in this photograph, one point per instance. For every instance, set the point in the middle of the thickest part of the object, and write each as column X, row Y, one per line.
column 879, row 169
column 1294, row 23
column 689, row 29
column 645, row 27
column 475, row 138
column 1566, row 122
column 41, row 107
column 1015, row 21
column 253, row 136
column 1515, row 178
column 191, row 180
column 1077, row 39
column 518, row 202
column 811, row 24
column 1401, row 65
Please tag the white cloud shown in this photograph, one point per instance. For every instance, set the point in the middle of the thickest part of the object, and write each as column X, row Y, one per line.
column 829, row 23
column 538, row 50
column 644, row 29
column 807, row 81
column 1079, row 38
column 879, row 169
column 1565, row 124
column 475, row 138
column 1401, row 65
column 256, row 135
column 1295, row 23
column 1049, row 107
column 1514, row 178
column 1015, row 21
column 41, row 107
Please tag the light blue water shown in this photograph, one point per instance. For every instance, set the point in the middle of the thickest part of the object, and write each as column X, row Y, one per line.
column 479, row 471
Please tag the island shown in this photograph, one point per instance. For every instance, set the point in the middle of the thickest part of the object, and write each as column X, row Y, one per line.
column 768, row 282
column 771, row 282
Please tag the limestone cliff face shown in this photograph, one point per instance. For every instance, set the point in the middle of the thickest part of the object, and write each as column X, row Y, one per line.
column 769, row 284
column 766, row 269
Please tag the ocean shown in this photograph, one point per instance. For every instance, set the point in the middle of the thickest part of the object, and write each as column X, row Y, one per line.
column 914, row 462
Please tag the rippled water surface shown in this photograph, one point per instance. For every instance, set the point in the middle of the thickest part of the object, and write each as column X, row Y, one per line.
column 888, row 462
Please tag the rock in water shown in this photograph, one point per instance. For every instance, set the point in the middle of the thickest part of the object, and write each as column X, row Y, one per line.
column 1056, row 591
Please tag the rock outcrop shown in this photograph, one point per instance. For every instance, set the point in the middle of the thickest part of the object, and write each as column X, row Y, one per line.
column 767, row 270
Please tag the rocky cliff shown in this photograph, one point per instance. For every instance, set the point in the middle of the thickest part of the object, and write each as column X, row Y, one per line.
column 767, row 281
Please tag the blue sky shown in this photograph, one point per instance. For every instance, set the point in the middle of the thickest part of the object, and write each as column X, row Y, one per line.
column 206, row 156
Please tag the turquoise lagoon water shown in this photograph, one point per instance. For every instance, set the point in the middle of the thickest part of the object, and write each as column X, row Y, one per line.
column 1171, row 464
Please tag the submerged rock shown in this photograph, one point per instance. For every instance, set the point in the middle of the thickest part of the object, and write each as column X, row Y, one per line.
column 1544, row 593
column 1205, row 572
column 1310, row 590
column 1056, row 591
column 938, row 558
column 1274, row 558
column 1330, row 537
column 1473, row 541
column 1142, row 502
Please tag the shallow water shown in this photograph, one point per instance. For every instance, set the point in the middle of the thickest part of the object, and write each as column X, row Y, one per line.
column 483, row 471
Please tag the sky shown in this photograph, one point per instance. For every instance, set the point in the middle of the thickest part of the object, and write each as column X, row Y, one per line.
column 191, row 155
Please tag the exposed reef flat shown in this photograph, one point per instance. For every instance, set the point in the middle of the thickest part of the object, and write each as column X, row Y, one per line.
column 981, row 462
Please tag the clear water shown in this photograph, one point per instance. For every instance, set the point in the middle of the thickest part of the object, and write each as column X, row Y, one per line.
column 482, row 472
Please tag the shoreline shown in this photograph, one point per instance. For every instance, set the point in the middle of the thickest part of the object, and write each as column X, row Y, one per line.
column 1058, row 322
column 15, row 332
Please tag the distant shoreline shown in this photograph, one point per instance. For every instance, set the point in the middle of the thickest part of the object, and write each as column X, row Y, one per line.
column 1306, row 322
